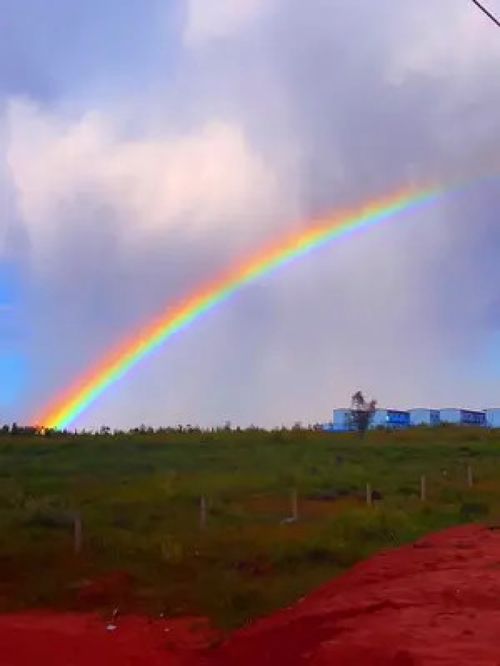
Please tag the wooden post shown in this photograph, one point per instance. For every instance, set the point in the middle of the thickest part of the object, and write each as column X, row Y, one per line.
column 423, row 488
column 470, row 479
column 295, row 505
column 368, row 494
column 77, row 533
column 203, row 512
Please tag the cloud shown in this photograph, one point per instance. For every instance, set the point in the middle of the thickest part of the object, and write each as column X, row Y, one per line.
column 207, row 21
column 428, row 40
column 131, row 198
column 121, row 226
column 207, row 178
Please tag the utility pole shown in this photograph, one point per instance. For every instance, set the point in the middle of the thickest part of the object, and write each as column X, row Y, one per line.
column 487, row 12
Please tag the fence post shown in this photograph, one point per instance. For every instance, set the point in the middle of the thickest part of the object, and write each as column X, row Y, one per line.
column 470, row 478
column 203, row 512
column 423, row 488
column 368, row 494
column 295, row 505
column 77, row 533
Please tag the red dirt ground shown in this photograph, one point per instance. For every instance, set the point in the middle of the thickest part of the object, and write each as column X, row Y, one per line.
column 436, row 602
column 71, row 639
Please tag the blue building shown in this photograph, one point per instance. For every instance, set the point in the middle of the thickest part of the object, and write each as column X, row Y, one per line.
column 463, row 417
column 390, row 418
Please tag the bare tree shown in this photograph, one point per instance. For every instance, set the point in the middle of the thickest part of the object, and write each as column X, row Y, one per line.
column 361, row 412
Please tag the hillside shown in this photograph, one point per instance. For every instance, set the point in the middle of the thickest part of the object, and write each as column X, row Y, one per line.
column 202, row 523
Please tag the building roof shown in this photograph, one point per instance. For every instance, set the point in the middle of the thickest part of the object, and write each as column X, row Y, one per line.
column 462, row 409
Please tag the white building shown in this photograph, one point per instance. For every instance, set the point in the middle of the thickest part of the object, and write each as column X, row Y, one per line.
column 397, row 418
column 493, row 417
column 424, row 416
column 463, row 416
column 341, row 420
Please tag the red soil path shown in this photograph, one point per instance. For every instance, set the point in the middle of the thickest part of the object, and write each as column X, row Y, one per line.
column 436, row 602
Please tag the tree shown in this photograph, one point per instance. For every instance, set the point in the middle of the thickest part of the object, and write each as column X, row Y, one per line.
column 361, row 412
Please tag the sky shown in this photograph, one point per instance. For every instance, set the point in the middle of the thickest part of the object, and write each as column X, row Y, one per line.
column 145, row 146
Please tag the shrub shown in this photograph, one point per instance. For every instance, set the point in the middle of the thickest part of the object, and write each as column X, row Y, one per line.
column 473, row 510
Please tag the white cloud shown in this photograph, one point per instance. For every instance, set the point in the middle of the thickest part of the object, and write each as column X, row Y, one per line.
column 214, row 19
column 206, row 179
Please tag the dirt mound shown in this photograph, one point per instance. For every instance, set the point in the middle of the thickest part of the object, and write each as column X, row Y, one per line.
column 435, row 602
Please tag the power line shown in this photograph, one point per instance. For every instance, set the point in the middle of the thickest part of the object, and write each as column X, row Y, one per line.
column 487, row 12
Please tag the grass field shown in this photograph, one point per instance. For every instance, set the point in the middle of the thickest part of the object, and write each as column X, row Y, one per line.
column 139, row 500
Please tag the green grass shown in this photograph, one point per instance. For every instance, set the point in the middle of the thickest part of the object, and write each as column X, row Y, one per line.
column 139, row 494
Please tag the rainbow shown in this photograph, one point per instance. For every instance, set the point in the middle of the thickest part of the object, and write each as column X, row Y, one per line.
column 67, row 407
